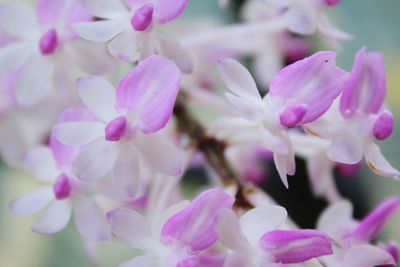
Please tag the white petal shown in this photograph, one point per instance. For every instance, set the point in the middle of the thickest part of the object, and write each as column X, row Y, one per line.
column 15, row 55
column 99, row 31
column 54, row 219
column 78, row 133
column 329, row 30
column 301, row 18
column 130, row 227
column 280, row 164
column 41, row 161
column 32, row 202
column 173, row 50
column 90, row 220
column 98, row 95
column 377, row 162
column 260, row 220
column 346, row 149
column 141, row 261
column 95, row 160
column 18, row 20
column 126, row 46
column 238, row 79
column 126, row 172
column 160, row 153
column 35, row 81
column 367, row 256
column 105, row 8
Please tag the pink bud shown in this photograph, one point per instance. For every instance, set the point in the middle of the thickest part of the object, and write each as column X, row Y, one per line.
column 383, row 126
column 293, row 115
column 116, row 128
column 62, row 187
column 142, row 17
column 48, row 42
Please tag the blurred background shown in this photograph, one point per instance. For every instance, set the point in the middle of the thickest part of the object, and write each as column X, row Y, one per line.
column 373, row 23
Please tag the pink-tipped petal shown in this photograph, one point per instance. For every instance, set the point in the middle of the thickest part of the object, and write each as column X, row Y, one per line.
column 116, row 128
column 367, row 256
column 383, row 125
column 365, row 90
column 296, row 246
column 130, row 227
column 32, row 202
column 371, row 225
column 167, row 10
column 90, row 220
column 314, row 81
column 195, row 224
column 54, row 219
column 142, row 18
column 293, row 115
column 150, row 89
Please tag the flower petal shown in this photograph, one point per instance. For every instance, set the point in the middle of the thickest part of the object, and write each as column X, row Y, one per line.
column 347, row 149
column 32, row 202
column 160, row 154
column 98, row 95
column 126, row 46
column 151, row 89
column 78, row 133
column 260, row 220
column 54, row 219
column 18, row 20
column 296, row 246
column 40, row 160
column 14, row 55
column 165, row 11
column 99, row 31
column 141, row 261
column 314, row 81
column 130, row 227
column 95, row 160
column 367, row 256
column 108, row 9
column 195, row 224
column 238, row 79
column 35, row 80
column 377, row 162
column 301, row 17
column 90, row 219
column 126, row 172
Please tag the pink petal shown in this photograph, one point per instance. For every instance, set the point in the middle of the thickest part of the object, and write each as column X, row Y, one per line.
column 167, row 10
column 366, row 87
column 98, row 95
column 54, row 219
column 130, row 227
column 32, row 202
column 150, row 89
column 314, row 81
column 260, row 220
column 157, row 151
column 295, row 246
column 90, row 220
column 195, row 224
column 371, row 225
column 367, row 256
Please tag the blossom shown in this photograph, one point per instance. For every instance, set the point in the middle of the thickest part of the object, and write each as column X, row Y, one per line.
column 362, row 119
column 179, row 235
column 255, row 239
column 64, row 194
column 299, row 94
column 127, row 120
column 128, row 29
column 38, row 44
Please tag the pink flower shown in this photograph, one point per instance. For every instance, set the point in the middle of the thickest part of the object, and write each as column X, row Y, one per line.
column 124, row 133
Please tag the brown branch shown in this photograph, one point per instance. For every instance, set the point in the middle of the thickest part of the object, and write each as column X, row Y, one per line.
column 212, row 149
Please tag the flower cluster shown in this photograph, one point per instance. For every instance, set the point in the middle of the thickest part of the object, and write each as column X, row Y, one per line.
column 96, row 102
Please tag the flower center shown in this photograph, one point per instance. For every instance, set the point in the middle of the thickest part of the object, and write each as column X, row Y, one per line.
column 142, row 18
column 116, row 128
column 62, row 187
column 48, row 42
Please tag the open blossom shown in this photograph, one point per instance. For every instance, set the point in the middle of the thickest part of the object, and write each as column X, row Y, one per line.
column 64, row 194
column 353, row 237
column 127, row 121
column 363, row 118
column 128, row 28
column 37, row 48
column 299, row 94
column 180, row 235
column 256, row 240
